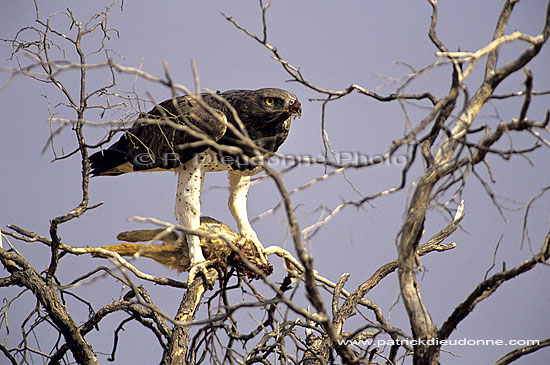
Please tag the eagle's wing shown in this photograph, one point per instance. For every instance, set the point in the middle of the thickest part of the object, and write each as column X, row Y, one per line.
column 164, row 138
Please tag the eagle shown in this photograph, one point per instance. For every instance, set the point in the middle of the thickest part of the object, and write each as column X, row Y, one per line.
column 194, row 134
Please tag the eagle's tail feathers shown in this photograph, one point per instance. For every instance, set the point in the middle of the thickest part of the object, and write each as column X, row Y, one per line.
column 110, row 162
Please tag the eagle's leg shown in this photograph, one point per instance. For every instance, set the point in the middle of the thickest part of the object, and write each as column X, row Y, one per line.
column 238, row 192
column 188, row 210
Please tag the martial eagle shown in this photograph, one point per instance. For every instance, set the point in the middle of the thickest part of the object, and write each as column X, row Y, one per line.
column 195, row 134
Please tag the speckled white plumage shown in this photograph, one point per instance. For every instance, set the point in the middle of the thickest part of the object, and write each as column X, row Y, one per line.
column 188, row 204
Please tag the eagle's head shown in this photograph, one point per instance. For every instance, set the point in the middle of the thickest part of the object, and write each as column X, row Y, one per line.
column 278, row 101
column 266, row 105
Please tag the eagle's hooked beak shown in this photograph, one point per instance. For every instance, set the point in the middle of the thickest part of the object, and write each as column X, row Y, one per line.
column 295, row 108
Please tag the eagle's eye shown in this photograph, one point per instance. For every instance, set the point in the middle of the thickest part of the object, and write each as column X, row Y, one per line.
column 269, row 101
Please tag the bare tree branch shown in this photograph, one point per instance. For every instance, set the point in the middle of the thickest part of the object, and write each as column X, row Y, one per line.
column 522, row 351
column 488, row 287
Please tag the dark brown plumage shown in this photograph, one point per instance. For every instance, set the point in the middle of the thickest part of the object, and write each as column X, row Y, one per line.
column 152, row 143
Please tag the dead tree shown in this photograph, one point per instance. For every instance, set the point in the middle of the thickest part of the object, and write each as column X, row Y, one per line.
column 448, row 143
